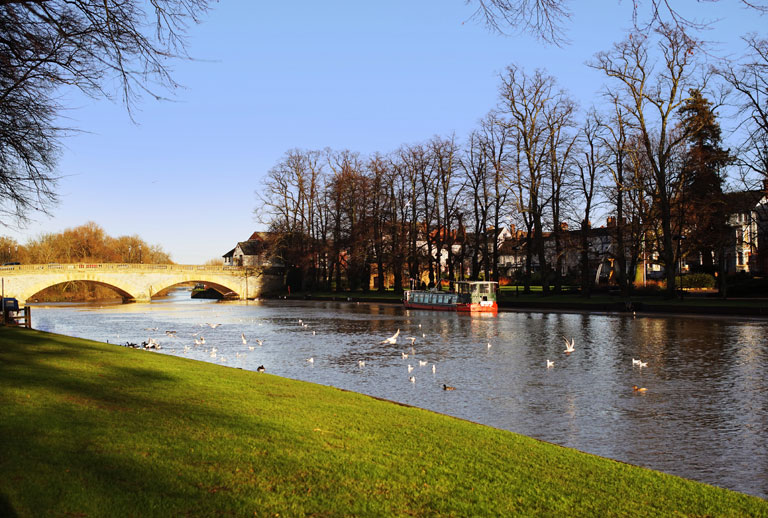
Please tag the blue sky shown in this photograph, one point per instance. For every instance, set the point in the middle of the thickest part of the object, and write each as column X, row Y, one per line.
column 271, row 76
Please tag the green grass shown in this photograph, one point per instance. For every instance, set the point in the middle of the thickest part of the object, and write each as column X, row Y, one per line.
column 90, row 429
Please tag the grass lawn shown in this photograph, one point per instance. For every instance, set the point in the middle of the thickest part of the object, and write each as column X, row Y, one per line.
column 90, row 429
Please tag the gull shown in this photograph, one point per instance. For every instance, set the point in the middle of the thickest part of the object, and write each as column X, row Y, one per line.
column 488, row 345
column 433, row 368
column 150, row 329
column 422, row 363
column 301, row 321
column 412, row 339
column 242, row 336
column 550, row 364
column 170, row 333
column 412, row 379
column 213, row 326
column 260, row 368
column 636, row 362
column 410, row 368
column 392, row 339
column 198, row 342
column 569, row 346
column 251, row 348
column 260, row 342
column 361, row 363
column 642, row 364
column 313, row 333
column 423, row 335
column 404, row 356
column 419, row 325
column 311, row 360
column 446, row 387
column 639, row 389
column 202, row 340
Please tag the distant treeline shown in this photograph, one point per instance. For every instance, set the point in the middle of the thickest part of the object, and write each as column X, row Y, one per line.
column 84, row 244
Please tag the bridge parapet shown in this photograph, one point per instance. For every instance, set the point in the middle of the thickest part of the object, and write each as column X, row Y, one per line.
column 121, row 266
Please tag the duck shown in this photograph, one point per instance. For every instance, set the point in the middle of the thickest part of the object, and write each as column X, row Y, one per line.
column 569, row 346
column 639, row 389
column 446, row 387
column 260, row 368
column 550, row 364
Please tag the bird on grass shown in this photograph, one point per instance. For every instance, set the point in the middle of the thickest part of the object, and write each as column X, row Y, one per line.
column 446, row 387
column 260, row 368
column 639, row 389
column 569, row 346
column 392, row 339
column 550, row 364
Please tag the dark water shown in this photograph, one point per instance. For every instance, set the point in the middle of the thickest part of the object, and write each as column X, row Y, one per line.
column 704, row 415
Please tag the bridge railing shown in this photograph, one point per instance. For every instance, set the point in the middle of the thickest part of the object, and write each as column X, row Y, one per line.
column 27, row 268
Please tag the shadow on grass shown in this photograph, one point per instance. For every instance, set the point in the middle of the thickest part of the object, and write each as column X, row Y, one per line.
column 95, row 430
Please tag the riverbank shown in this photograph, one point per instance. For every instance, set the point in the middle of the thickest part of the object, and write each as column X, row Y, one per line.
column 99, row 430
column 602, row 303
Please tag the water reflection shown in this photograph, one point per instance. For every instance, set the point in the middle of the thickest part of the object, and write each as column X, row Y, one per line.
column 704, row 415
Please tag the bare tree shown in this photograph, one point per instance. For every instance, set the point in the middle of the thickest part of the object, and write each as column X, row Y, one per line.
column 651, row 101
column 750, row 80
column 85, row 44
column 530, row 103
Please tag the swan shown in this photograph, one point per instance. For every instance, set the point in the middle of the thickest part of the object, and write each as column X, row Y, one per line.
column 392, row 339
column 311, row 360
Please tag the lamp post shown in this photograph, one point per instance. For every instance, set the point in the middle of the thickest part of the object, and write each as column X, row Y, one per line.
column 679, row 238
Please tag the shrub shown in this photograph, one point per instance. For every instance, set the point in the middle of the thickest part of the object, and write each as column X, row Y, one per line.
column 698, row 280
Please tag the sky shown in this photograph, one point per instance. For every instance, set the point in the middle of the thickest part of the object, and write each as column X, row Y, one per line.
column 267, row 77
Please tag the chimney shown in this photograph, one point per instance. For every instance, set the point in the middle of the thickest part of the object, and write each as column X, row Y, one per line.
column 564, row 225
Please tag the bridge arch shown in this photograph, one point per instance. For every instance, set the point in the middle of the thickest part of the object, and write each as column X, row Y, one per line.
column 224, row 289
column 41, row 285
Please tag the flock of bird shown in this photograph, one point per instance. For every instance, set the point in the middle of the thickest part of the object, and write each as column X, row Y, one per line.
column 199, row 340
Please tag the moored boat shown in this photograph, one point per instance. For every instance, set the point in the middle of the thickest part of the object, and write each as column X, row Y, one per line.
column 469, row 296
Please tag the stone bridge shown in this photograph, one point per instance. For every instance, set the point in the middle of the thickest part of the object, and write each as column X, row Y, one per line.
column 137, row 282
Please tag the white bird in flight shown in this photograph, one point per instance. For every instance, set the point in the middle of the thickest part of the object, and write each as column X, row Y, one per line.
column 569, row 346
column 242, row 335
column 392, row 339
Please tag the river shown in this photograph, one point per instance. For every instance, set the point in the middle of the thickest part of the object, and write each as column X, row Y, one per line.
column 704, row 415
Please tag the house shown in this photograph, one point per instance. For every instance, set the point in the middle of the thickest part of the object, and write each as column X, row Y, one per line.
column 255, row 251
column 748, row 220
